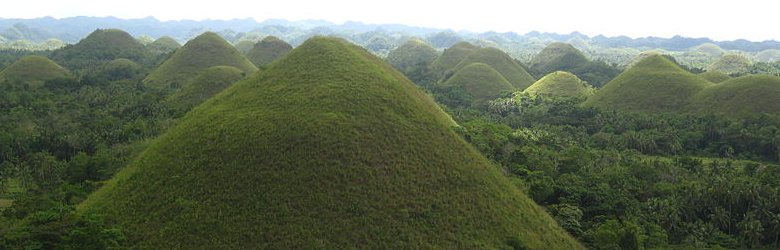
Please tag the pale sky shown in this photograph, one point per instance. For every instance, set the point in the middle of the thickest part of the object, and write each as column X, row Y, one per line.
column 720, row 20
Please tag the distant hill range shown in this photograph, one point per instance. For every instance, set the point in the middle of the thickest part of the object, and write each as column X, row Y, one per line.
column 72, row 29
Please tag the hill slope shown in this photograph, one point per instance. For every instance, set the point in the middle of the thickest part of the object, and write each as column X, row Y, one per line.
column 480, row 81
column 451, row 57
column 163, row 45
column 557, row 56
column 731, row 64
column 501, row 62
column 714, row 76
column 34, row 70
column 654, row 84
column 413, row 57
column 749, row 94
column 100, row 46
column 328, row 148
column 208, row 83
column 268, row 50
column 202, row 52
column 560, row 83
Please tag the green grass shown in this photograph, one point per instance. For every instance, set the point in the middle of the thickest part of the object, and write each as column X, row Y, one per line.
column 207, row 84
column 268, row 50
column 557, row 56
column 510, row 69
column 709, row 49
column 654, row 84
column 731, row 64
column 768, row 55
column 740, row 96
column 560, row 83
column 98, row 47
column 202, row 52
column 330, row 147
column 714, row 76
column 480, row 81
column 244, row 46
column 34, row 70
column 412, row 55
column 451, row 57
column 13, row 188
column 163, row 45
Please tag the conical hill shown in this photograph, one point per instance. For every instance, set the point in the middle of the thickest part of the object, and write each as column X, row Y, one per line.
column 208, row 83
column 330, row 147
column 268, row 50
column 202, row 52
column 513, row 71
column 560, row 83
column 34, row 71
column 746, row 95
column 481, row 82
column 451, row 57
column 557, row 56
column 100, row 46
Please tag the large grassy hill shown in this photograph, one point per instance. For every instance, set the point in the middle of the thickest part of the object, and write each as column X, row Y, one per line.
column 451, row 57
column 268, row 50
column 741, row 96
column 557, row 56
column 654, row 84
column 202, row 52
column 163, row 45
column 731, row 64
column 413, row 57
column 328, row 148
column 34, row 71
column 101, row 46
column 510, row 69
column 481, row 82
column 560, row 83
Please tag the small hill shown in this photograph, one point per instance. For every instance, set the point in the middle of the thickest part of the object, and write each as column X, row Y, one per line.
column 481, row 82
column 560, row 83
column 34, row 70
column 510, row 69
column 208, row 83
column 741, row 96
column 709, row 49
column 244, row 46
column 731, row 64
column 413, row 57
column 654, row 84
column 344, row 154
column 163, row 45
column 557, row 56
column 202, row 52
column 268, row 50
column 714, row 76
column 100, row 46
column 451, row 57
column 769, row 55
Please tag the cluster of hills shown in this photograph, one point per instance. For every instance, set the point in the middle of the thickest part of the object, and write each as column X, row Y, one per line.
column 328, row 146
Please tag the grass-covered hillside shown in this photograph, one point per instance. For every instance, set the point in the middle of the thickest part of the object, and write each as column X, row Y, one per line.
column 163, row 45
column 481, row 82
column 202, row 52
column 714, row 76
column 557, row 56
column 654, row 84
column 328, row 148
column 510, row 69
column 244, row 46
column 451, row 57
column 100, row 46
column 413, row 57
column 731, row 64
column 207, row 84
column 560, row 83
column 741, row 96
column 268, row 50
column 34, row 71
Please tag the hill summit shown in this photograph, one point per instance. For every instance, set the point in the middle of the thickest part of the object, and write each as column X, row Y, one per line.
column 481, row 82
column 557, row 56
column 202, row 52
column 510, row 69
column 751, row 94
column 329, row 148
column 100, row 46
column 560, row 83
column 34, row 71
column 268, row 50
column 654, row 84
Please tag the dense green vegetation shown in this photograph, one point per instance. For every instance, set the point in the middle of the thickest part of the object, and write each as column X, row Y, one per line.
column 328, row 148
column 205, row 51
column 560, row 83
column 654, row 84
column 163, row 45
column 267, row 51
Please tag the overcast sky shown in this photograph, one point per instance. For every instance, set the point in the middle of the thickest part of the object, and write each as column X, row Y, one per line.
column 749, row 19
